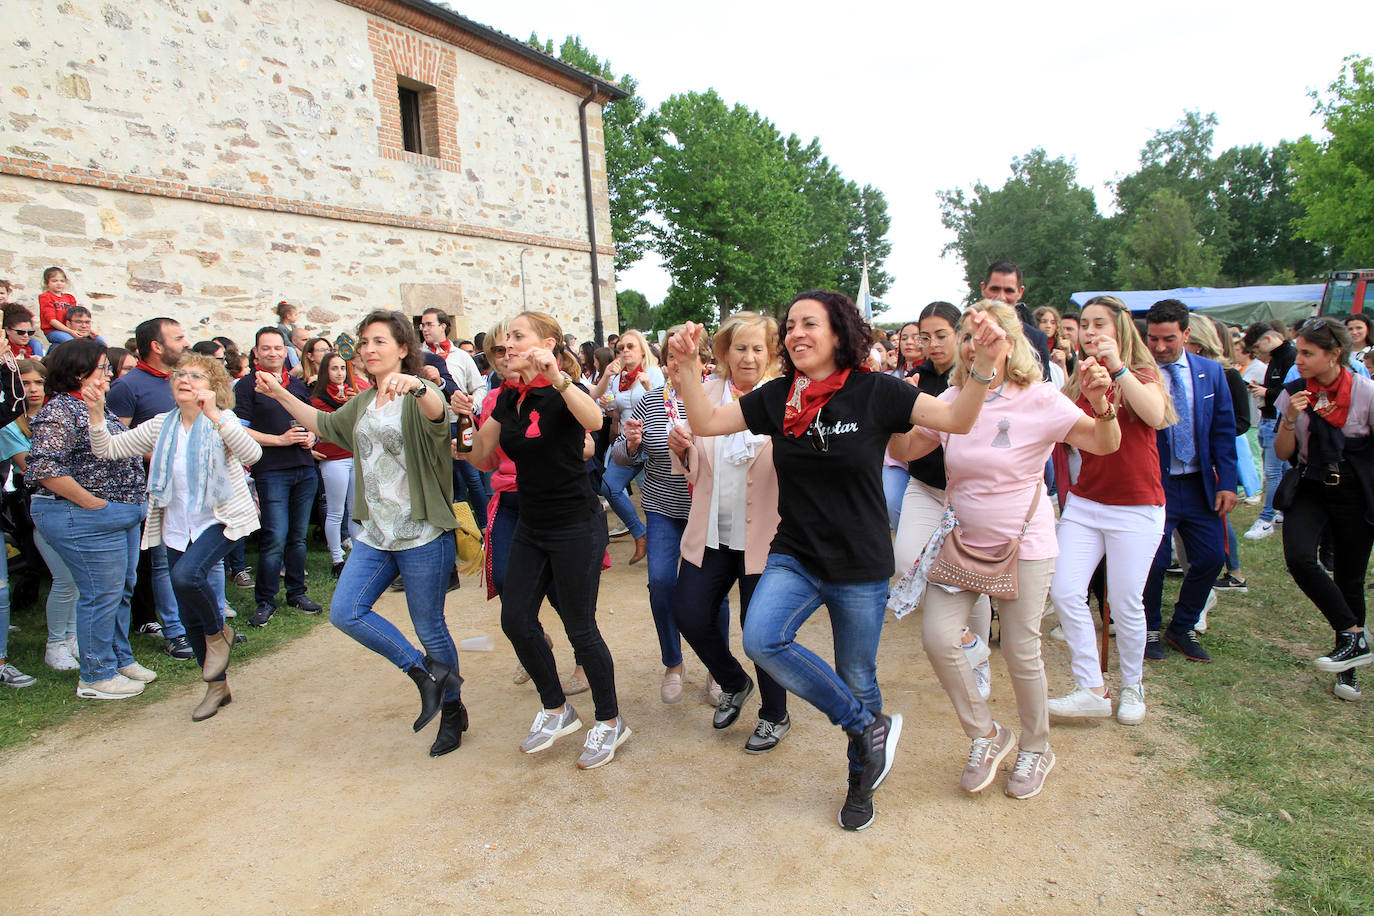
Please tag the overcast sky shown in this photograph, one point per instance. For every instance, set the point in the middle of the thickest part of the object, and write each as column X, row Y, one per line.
column 915, row 100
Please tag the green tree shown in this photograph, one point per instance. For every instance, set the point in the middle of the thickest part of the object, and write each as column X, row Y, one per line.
column 1162, row 248
column 683, row 305
column 1258, row 184
column 1040, row 218
column 634, row 309
column 1179, row 159
column 628, row 152
column 1335, row 177
column 733, row 225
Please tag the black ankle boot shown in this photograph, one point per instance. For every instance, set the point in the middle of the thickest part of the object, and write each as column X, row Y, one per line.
column 452, row 724
column 432, row 678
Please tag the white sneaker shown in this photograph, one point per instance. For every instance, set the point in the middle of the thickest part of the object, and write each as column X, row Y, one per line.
column 1210, row 603
column 136, row 672
column 1058, row 633
column 1081, row 703
column 11, row 676
column 58, row 656
column 1260, row 530
column 977, row 652
column 118, row 687
column 548, row 727
column 228, row 612
column 1130, row 709
column 1278, row 518
column 618, row 530
column 1254, row 499
column 602, row 740
column 982, row 676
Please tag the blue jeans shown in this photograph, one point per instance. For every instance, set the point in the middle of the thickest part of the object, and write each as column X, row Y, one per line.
column 1204, row 538
column 100, row 547
column 1246, row 471
column 286, row 497
column 613, row 484
column 366, row 574
column 664, row 552
column 62, row 597
column 894, row 490
column 1273, row 467
column 4, row 602
column 191, row 573
column 786, row 597
column 164, row 596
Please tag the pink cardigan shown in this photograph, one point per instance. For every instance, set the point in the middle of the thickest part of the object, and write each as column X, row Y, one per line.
column 761, row 497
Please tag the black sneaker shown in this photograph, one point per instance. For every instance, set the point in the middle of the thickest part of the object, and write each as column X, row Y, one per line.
column 1230, row 583
column 397, row 586
column 767, row 735
column 731, row 703
column 179, row 649
column 1173, row 569
column 1154, row 649
column 1187, row 643
column 262, row 615
column 151, row 628
column 1352, row 651
column 336, row 569
column 454, row 583
column 857, row 812
column 877, row 746
column 1348, row 686
column 306, row 604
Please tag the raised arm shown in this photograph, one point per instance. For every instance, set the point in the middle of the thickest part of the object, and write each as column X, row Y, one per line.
column 1146, row 399
column 306, row 415
column 705, row 419
column 990, row 347
column 1099, row 434
column 134, row 443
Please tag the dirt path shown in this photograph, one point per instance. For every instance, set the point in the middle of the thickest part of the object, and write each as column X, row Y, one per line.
column 310, row 794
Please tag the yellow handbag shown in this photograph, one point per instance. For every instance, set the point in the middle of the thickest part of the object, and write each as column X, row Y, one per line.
column 471, row 557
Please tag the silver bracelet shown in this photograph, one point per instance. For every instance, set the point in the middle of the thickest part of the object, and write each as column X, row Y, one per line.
column 973, row 374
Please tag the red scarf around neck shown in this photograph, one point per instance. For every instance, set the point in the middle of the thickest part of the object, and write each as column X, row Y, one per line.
column 521, row 389
column 151, row 371
column 442, row 348
column 24, row 352
column 627, row 377
column 806, row 398
column 1332, row 402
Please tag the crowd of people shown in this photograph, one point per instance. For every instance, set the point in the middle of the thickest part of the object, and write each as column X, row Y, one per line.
column 1001, row 464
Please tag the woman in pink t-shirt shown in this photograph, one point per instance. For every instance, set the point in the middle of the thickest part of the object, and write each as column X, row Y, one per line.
column 994, row 473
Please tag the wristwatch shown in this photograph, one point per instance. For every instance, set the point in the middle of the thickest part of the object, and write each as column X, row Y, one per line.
column 418, row 392
column 562, row 386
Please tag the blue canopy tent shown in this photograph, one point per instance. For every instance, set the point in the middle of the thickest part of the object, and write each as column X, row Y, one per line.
column 1239, row 305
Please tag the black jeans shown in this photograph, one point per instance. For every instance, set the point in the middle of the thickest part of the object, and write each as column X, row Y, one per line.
column 1341, row 508
column 697, row 603
column 196, row 600
column 569, row 559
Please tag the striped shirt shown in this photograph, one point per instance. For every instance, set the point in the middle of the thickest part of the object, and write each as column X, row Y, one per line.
column 662, row 491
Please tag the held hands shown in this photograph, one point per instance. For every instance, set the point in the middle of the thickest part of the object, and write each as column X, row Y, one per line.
column 1108, row 356
column 679, row 439
column 461, row 402
column 206, row 401
column 93, row 393
column 634, row 434
column 990, row 342
column 685, row 343
column 1297, row 403
column 1095, row 381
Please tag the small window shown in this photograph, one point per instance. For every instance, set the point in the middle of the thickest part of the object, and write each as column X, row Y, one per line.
column 410, row 120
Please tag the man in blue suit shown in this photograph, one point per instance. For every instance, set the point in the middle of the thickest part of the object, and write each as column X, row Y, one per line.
column 1197, row 462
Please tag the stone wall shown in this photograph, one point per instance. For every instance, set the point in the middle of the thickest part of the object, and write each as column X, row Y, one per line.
column 206, row 160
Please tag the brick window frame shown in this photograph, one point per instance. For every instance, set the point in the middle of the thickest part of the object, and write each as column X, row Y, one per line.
column 403, row 58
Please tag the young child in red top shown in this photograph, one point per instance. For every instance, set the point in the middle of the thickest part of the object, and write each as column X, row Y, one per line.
column 53, row 303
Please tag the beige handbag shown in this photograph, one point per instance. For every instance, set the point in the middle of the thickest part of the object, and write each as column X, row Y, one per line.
column 991, row 574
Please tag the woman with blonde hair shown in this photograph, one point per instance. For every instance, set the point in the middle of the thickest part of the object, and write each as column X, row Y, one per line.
column 995, row 483
column 633, row 374
column 1115, row 510
column 198, row 499
column 734, row 515
column 540, row 420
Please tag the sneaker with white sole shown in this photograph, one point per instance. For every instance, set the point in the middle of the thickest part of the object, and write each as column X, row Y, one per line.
column 151, row 628
column 1348, row 686
column 602, row 740
column 1028, row 774
column 977, row 651
column 58, row 656
column 618, row 531
column 1058, row 634
column 1209, row 604
column 1130, row 707
column 984, row 757
column 136, row 672
column 228, row 613
column 11, row 676
column 1260, row 530
column 243, row 578
column 982, row 678
column 118, row 687
column 1081, row 703
column 548, row 727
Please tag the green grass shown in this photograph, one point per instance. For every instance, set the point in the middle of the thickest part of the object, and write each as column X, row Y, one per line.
column 1292, row 761
column 52, row 701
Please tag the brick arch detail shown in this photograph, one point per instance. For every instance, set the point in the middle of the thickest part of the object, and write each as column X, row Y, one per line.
column 396, row 52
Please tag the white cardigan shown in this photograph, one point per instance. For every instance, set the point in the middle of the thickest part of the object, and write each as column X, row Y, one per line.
column 238, row 514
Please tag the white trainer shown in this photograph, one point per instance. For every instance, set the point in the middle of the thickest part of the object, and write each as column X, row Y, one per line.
column 977, row 652
column 58, row 656
column 548, row 727
column 136, row 672
column 118, row 687
column 1130, row 708
column 1081, row 703
column 1260, row 530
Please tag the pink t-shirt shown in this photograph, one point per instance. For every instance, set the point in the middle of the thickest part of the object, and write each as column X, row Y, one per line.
column 992, row 471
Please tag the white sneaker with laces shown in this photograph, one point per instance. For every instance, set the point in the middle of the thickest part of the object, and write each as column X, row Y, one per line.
column 1081, row 703
column 136, row 672
column 1058, row 633
column 58, row 656
column 228, row 613
column 11, row 676
column 602, row 740
column 1260, row 530
column 548, row 727
column 982, row 676
column 1130, row 708
column 977, row 651
column 118, row 687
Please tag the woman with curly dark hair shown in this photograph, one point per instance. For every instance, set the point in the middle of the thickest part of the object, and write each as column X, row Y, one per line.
column 829, row 421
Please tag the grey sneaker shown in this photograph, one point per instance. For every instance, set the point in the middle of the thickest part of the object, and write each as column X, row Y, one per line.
column 243, row 578
column 984, row 756
column 548, row 727
column 1028, row 775
column 11, row 676
column 602, row 740
column 767, row 735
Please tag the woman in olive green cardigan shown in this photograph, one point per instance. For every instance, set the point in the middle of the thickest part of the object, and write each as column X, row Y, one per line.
column 397, row 431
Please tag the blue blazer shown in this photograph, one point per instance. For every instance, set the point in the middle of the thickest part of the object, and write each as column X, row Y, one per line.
column 1214, row 427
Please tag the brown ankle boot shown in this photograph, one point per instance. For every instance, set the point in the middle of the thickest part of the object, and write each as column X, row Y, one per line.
column 217, row 649
column 216, row 695
column 641, row 548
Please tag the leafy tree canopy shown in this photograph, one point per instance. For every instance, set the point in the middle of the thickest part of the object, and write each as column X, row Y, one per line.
column 1335, row 177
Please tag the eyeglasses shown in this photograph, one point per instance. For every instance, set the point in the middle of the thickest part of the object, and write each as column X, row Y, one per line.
column 188, row 373
column 498, row 351
column 817, row 435
column 105, row 368
column 20, row 332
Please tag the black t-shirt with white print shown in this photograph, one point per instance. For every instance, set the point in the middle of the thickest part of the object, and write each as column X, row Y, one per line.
column 832, row 514
column 544, row 440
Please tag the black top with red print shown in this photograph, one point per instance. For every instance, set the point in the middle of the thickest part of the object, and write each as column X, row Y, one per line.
column 544, row 440
column 832, row 515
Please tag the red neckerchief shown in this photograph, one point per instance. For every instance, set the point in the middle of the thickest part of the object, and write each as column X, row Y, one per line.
column 336, row 392
column 521, row 389
column 1332, row 402
column 24, row 352
column 905, row 367
column 806, row 398
column 441, row 348
column 151, row 371
column 627, row 379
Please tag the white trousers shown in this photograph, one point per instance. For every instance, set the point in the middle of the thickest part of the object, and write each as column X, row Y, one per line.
column 922, row 507
column 1128, row 537
column 338, row 501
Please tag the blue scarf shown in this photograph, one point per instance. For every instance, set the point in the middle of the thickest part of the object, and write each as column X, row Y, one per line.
column 207, row 470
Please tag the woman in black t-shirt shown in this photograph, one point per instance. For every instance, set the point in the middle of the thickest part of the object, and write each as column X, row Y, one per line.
column 830, row 422
column 540, row 421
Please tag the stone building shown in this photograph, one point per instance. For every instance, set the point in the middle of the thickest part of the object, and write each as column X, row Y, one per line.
column 206, row 159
